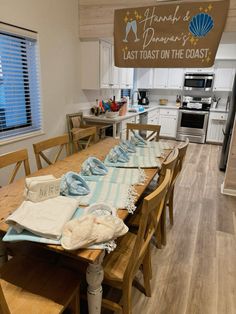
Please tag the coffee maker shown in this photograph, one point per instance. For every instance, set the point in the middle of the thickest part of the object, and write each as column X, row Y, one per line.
column 142, row 98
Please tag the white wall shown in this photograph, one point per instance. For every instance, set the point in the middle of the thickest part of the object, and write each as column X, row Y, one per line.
column 56, row 22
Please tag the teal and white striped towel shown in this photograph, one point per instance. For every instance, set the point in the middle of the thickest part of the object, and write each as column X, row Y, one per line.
column 120, row 175
column 117, row 195
column 136, row 162
column 159, row 145
column 13, row 236
column 154, row 151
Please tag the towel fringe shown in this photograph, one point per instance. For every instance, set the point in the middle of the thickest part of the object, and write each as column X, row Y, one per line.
column 132, row 194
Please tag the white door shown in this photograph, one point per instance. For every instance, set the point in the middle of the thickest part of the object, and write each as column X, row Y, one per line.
column 144, row 78
column 224, row 79
column 115, row 79
column 105, row 62
column 175, row 78
column 160, row 78
column 168, row 125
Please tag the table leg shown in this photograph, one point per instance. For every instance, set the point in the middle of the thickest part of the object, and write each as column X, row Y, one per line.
column 3, row 253
column 94, row 277
column 114, row 130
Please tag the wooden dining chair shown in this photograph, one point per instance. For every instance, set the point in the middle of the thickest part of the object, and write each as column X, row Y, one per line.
column 133, row 251
column 152, row 130
column 80, row 134
column 169, row 164
column 18, row 158
column 32, row 286
column 39, row 148
column 182, row 153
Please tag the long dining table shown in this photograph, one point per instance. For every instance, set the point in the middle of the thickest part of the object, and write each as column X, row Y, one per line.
column 11, row 196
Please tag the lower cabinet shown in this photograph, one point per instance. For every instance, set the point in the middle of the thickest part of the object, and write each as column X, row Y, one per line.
column 215, row 128
column 168, row 120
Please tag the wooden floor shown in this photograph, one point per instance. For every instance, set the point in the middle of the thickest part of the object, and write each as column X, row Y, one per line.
column 196, row 271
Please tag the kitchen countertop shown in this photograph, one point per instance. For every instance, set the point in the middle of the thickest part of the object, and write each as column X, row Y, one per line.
column 152, row 106
column 218, row 110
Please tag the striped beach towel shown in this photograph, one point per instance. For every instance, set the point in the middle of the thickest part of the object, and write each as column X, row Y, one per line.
column 116, row 195
column 120, row 175
column 136, row 162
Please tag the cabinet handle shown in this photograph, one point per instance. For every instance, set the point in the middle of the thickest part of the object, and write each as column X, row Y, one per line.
column 111, row 84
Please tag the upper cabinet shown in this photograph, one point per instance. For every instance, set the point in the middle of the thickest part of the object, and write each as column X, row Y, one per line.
column 98, row 69
column 175, row 78
column 224, row 79
column 144, row 78
column 126, row 77
column 160, row 78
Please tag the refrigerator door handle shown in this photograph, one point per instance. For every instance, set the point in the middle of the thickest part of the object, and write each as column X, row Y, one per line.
column 223, row 131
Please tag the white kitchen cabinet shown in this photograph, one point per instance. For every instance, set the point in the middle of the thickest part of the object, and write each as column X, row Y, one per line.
column 223, row 79
column 175, row 78
column 144, row 78
column 199, row 70
column 168, row 121
column 106, row 64
column 160, row 78
column 97, row 66
column 168, row 78
column 126, row 77
column 215, row 128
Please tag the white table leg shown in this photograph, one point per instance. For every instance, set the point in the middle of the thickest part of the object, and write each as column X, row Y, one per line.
column 94, row 277
column 114, row 130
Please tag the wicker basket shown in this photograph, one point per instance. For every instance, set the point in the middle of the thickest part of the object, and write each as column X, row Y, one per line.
column 163, row 101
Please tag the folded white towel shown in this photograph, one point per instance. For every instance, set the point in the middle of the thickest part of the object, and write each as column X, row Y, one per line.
column 82, row 232
column 46, row 218
column 41, row 188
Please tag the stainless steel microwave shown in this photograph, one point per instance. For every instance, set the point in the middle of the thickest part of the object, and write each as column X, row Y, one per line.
column 198, row 81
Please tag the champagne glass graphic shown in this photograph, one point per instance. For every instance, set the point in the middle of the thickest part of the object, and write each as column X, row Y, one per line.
column 131, row 25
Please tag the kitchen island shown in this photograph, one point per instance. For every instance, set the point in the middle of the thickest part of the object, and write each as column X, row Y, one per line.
column 119, row 123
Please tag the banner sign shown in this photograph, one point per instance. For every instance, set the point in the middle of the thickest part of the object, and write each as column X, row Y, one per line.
column 169, row 35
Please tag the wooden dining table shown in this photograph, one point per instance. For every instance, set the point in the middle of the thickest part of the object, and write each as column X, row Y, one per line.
column 11, row 197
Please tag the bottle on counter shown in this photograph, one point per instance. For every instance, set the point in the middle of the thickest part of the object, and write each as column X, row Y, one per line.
column 178, row 100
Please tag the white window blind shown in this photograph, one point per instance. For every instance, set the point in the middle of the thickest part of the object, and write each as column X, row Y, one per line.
column 20, row 111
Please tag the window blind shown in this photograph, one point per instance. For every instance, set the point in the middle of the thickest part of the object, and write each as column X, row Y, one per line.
column 20, row 111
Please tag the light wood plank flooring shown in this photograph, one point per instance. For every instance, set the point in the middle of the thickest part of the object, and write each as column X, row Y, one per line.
column 196, row 272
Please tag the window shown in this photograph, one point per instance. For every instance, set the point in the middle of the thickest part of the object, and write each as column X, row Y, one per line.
column 19, row 83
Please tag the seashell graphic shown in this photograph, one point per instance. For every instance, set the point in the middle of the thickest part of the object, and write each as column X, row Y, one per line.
column 201, row 24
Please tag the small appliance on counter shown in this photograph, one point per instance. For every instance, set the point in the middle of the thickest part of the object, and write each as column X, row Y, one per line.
column 143, row 98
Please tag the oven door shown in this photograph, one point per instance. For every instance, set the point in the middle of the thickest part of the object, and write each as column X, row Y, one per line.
column 192, row 122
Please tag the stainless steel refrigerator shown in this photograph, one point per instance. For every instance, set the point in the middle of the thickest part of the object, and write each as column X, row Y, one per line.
column 228, row 129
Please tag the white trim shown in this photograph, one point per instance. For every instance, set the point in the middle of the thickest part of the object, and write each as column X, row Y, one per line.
column 227, row 191
column 21, row 137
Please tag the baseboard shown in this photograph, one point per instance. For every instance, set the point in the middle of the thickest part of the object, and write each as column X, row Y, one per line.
column 227, row 191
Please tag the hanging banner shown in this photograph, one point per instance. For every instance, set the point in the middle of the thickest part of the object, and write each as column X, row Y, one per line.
column 169, row 34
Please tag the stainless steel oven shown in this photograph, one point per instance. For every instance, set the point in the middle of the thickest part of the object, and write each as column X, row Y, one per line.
column 198, row 81
column 193, row 119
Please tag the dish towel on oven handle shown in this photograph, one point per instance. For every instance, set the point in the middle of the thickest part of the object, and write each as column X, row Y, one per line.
column 117, row 195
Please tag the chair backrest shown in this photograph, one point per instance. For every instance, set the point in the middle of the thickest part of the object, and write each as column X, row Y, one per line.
column 152, row 133
column 182, row 152
column 150, row 215
column 61, row 141
column 74, row 120
column 4, row 309
column 17, row 158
